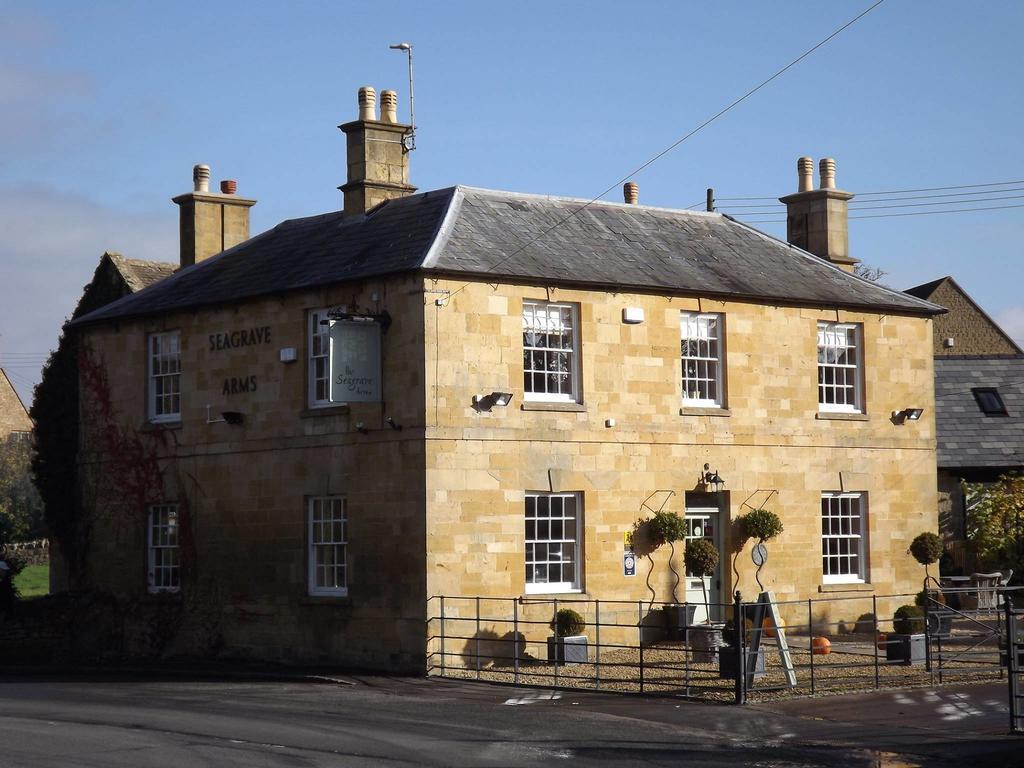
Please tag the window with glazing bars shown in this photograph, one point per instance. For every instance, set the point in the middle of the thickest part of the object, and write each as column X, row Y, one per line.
column 319, row 358
column 165, row 376
column 839, row 367
column 550, row 352
column 328, row 544
column 552, row 542
column 701, row 355
column 163, row 570
column 843, row 537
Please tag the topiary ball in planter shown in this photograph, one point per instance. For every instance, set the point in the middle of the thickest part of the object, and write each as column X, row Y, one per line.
column 927, row 548
column 666, row 527
column 569, row 645
column 761, row 524
column 701, row 556
column 567, row 622
column 908, row 620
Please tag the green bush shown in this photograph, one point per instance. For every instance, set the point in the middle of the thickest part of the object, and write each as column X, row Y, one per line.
column 926, row 548
column 701, row 556
column 666, row 527
column 937, row 597
column 761, row 524
column 908, row 620
column 567, row 622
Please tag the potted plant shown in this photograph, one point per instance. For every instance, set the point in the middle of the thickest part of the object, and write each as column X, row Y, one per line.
column 906, row 644
column 727, row 655
column 666, row 527
column 763, row 525
column 569, row 645
column 701, row 558
column 927, row 548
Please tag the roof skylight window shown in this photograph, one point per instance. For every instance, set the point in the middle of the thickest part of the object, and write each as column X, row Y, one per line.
column 989, row 400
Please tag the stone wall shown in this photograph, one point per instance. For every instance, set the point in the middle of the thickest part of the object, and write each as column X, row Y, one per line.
column 973, row 333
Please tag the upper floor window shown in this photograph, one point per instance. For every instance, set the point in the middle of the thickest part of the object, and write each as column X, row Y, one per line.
column 843, row 537
column 163, row 565
column 701, row 355
column 344, row 360
column 328, row 546
column 840, row 367
column 165, row 376
column 551, row 346
column 553, row 538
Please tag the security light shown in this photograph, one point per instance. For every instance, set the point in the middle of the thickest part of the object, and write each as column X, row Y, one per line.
column 486, row 402
column 231, row 417
column 501, row 398
column 913, row 414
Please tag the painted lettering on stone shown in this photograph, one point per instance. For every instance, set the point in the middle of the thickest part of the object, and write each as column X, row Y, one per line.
column 242, row 338
column 239, row 385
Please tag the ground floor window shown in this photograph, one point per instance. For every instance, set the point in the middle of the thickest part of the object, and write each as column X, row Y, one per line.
column 328, row 544
column 553, row 526
column 843, row 537
column 164, row 569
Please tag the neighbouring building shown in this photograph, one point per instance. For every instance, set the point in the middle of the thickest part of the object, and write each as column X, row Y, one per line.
column 979, row 404
column 14, row 421
column 300, row 443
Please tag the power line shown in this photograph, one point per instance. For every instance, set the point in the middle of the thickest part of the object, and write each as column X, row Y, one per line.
column 903, row 191
column 879, row 207
column 889, row 215
column 675, row 144
column 863, row 204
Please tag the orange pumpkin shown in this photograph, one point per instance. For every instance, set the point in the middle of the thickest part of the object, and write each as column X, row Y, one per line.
column 821, row 646
column 767, row 628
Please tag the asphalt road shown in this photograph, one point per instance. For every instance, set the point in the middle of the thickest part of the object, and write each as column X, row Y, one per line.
column 392, row 722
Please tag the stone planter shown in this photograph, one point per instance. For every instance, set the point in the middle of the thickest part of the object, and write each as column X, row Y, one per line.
column 905, row 649
column 727, row 663
column 571, row 649
column 704, row 640
column 677, row 619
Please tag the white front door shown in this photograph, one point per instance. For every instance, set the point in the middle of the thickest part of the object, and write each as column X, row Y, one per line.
column 702, row 523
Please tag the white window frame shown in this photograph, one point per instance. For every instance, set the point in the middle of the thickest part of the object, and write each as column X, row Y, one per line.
column 854, row 338
column 315, row 542
column 318, row 342
column 159, row 546
column 702, row 328
column 572, row 353
column 549, row 587
column 163, row 370
column 858, row 505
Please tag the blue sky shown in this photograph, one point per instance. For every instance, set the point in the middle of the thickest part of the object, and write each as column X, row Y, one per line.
column 106, row 106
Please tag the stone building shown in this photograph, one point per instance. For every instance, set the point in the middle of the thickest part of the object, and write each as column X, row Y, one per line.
column 14, row 421
column 979, row 407
column 303, row 441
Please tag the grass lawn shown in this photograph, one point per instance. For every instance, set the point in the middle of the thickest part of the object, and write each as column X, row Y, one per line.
column 33, row 581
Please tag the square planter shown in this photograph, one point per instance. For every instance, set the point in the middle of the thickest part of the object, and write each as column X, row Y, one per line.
column 568, row 650
column 677, row 619
column 906, row 649
column 727, row 663
column 704, row 640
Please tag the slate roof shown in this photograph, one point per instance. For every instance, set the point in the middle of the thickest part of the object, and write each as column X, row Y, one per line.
column 472, row 232
column 967, row 437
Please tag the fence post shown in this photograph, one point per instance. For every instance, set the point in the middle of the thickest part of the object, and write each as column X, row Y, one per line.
column 557, row 646
column 640, row 638
column 515, row 639
column 874, row 614
column 810, row 633
column 927, row 632
column 478, row 637
column 1011, row 666
column 739, row 693
column 597, row 643
column 443, row 629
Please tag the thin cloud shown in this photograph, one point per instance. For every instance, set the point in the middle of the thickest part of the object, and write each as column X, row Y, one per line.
column 1011, row 320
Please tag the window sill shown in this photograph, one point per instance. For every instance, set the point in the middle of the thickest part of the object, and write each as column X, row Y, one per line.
column 541, row 405
column 327, row 410
column 841, row 416
column 157, row 426
column 547, row 597
column 337, row 600
column 857, row 586
column 710, row 411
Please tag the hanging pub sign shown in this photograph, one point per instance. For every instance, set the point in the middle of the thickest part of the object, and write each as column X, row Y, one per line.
column 355, row 362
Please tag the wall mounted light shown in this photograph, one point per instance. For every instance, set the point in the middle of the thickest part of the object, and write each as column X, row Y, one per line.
column 226, row 417
column 486, row 402
column 907, row 414
column 391, row 423
column 361, row 428
column 712, row 478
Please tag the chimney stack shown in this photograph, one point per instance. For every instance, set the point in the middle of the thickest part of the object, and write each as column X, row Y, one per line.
column 378, row 162
column 817, row 219
column 210, row 222
column 631, row 192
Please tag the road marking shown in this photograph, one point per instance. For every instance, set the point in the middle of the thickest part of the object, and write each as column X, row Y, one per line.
column 533, row 698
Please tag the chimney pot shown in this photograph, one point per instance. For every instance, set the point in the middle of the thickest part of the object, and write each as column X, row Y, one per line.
column 805, row 174
column 827, row 171
column 229, row 186
column 388, row 107
column 201, row 178
column 367, row 103
column 631, row 192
